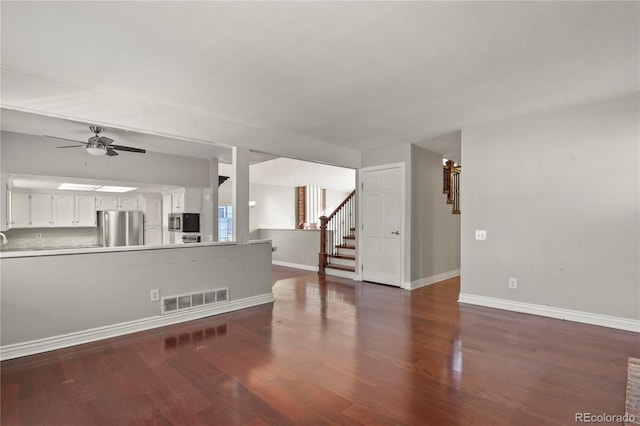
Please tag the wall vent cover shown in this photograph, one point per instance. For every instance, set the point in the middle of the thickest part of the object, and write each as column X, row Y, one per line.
column 198, row 299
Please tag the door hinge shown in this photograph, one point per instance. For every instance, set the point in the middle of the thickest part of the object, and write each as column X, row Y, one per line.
column 362, row 267
column 361, row 185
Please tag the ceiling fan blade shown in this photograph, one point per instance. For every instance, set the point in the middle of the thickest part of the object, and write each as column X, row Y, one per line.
column 127, row 148
column 105, row 140
column 65, row 139
column 70, row 146
column 111, row 152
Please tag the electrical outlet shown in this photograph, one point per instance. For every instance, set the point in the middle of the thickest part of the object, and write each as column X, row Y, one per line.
column 38, row 236
column 155, row 295
column 481, row 234
column 513, row 283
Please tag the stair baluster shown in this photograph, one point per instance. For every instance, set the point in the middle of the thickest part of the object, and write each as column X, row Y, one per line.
column 334, row 228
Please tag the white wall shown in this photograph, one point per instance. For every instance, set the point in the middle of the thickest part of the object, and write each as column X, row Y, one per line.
column 274, row 209
column 334, row 198
column 297, row 248
column 225, row 196
column 36, row 155
column 435, row 243
column 558, row 194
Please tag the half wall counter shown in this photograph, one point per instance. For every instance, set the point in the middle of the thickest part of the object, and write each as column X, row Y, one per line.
column 58, row 298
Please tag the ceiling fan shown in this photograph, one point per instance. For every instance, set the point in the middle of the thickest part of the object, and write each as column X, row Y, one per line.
column 99, row 145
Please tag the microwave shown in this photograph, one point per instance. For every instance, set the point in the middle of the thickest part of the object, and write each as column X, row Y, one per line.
column 184, row 222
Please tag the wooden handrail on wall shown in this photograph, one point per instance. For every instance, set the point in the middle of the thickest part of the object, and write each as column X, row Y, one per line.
column 451, row 185
column 339, row 223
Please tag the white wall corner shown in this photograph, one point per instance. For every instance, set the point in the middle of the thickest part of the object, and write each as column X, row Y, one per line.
column 430, row 280
column 619, row 323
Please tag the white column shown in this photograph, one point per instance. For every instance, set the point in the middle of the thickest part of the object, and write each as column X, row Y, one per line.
column 210, row 204
column 240, row 191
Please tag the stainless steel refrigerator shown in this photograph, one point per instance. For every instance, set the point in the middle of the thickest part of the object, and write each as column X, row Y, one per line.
column 120, row 228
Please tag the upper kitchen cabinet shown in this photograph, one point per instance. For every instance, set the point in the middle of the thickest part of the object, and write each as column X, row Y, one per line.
column 64, row 210
column 118, row 203
column 18, row 210
column 40, row 210
column 46, row 210
column 86, row 211
column 186, row 201
column 74, row 211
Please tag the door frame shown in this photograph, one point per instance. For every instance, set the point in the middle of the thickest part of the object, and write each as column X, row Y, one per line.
column 403, row 213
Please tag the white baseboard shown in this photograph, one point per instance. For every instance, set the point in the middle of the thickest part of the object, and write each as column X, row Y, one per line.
column 340, row 273
column 627, row 324
column 85, row 336
column 430, row 280
column 295, row 265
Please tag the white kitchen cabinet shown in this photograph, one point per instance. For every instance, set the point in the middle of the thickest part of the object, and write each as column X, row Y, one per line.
column 74, row 211
column 46, row 210
column 186, row 201
column 107, row 203
column 177, row 202
column 85, row 211
column 18, row 211
column 117, row 203
column 64, row 210
column 153, row 235
column 4, row 203
column 41, row 211
column 152, row 221
column 129, row 203
column 153, row 211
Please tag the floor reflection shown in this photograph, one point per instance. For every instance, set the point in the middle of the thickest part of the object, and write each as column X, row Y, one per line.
column 195, row 336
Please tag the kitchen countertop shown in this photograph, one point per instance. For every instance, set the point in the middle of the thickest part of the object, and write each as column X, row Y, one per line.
column 31, row 252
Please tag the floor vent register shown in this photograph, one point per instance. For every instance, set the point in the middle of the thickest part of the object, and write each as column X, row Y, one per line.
column 181, row 302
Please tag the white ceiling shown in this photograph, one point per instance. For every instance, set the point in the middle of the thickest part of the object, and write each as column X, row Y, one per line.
column 314, row 80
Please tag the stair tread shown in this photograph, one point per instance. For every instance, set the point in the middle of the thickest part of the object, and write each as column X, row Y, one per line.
column 342, row 256
column 349, row 237
column 341, row 267
column 346, row 246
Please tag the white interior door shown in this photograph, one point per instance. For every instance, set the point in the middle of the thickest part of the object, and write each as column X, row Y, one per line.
column 381, row 239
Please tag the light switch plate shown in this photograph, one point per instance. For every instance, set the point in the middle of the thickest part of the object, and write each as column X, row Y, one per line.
column 481, row 234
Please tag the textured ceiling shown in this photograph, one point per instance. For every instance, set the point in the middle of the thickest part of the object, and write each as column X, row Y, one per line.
column 314, row 80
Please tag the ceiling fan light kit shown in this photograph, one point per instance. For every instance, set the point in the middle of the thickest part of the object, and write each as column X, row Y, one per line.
column 96, row 150
column 99, row 145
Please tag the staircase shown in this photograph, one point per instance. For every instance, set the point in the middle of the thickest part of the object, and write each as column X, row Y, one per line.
column 344, row 258
column 337, row 238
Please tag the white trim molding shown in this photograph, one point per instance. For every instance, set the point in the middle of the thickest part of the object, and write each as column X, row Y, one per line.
column 341, row 274
column 295, row 265
column 619, row 323
column 430, row 280
column 91, row 335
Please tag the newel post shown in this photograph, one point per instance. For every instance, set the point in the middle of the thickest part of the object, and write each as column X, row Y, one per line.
column 322, row 257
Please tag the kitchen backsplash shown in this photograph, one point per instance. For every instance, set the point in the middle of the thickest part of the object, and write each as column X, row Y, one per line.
column 51, row 238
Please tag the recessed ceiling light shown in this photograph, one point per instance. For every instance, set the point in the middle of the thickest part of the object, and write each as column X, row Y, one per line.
column 77, row 187
column 114, row 189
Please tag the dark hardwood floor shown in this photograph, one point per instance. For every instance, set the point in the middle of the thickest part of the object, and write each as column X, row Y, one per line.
column 332, row 351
